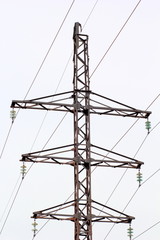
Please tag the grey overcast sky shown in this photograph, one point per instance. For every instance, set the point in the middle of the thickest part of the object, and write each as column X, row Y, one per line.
column 129, row 73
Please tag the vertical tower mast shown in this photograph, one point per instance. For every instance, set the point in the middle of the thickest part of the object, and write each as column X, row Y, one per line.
column 81, row 154
column 82, row 168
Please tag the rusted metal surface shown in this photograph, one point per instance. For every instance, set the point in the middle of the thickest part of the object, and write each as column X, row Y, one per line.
column 81, row 154
column 94, row 106
column 108, row 215
column 99, row 157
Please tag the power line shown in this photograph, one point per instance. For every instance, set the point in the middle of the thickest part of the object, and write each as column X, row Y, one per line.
column 141, row 185
column 109, row 231
column 139, row 150
column 9, row 200
column 41, row 228
column 110, row 194
column 147, row 230
column 131, row 200
column 133, row 196
column 139, row 146
column 51, row 136
column 50, row 219
column 11, row 207
column 22, row 179
column 39, row 69
column 54, row 131
column 134, row 156
column 56, row 92
column 116, row 186
column 48, row 140
column 43, row 120
column 151, row 176
column 125, row 170
column 90, row 14
column 65, row 114
column 120, row 137
column 115, row 38
column 63, row 76
column 153, row 101
column 70, row 57
column 155, row 126
column 44, row 59
column 129, row 203
column 6, row 140
column 134, row 123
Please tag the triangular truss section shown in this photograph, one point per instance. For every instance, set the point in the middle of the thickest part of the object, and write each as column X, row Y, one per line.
column 58, row 155
column 100, row 213
column 65, row 102
column 100, row 157
column 82, row 155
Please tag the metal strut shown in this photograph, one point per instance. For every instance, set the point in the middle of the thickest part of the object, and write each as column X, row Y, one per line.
column 82, row 173
column 81, row 154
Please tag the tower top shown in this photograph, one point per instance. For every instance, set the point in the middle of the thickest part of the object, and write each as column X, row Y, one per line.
column 77, row 28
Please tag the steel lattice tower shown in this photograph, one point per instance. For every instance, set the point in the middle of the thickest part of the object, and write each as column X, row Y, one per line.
column 82, row 155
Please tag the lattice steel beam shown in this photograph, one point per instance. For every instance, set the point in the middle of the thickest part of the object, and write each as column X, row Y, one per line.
column 64, row 155
column 107, row 107
column 82, row 155
column 101, row 213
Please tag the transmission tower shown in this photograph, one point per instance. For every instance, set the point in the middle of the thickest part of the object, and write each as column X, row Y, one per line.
column 82, row 155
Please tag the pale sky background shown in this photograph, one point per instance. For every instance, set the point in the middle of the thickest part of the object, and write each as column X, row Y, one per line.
column 129, row 73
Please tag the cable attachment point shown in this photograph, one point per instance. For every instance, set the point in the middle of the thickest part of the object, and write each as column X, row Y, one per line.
column 148, row 125
column 34, row 224
column 130, row 231
column 23, row 170
column 139, row 177
column 13, row 115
